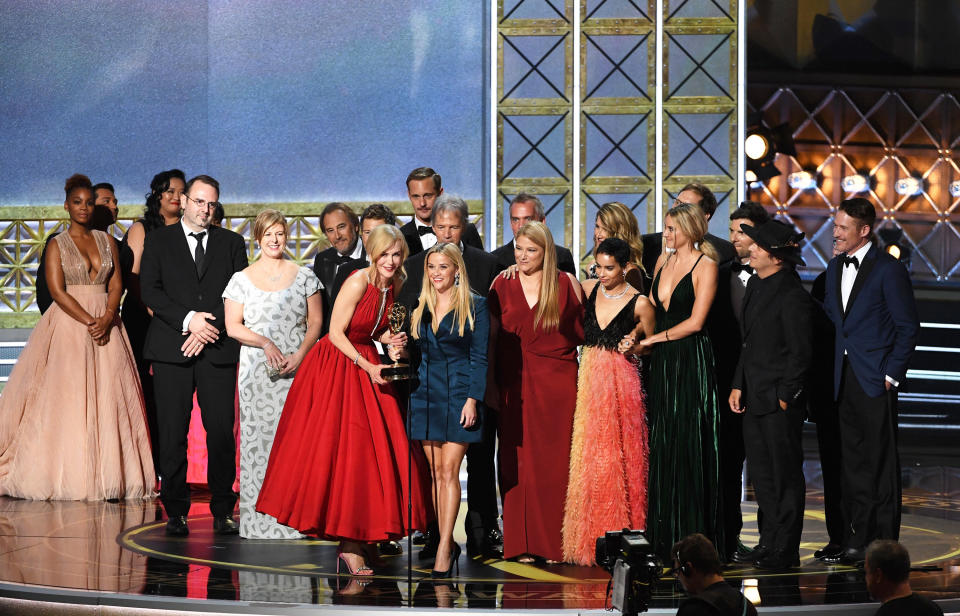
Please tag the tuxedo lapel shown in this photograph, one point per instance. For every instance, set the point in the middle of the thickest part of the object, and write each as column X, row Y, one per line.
column 838, row 284
column 208, row 252
column 863, row 272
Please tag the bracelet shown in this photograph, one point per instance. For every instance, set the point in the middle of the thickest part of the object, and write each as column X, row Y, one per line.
column 666, row 333
column 356, row 360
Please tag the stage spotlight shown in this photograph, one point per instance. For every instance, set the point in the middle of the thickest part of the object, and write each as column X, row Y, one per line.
column 765, row 171
column 855, row 183
column 955, row 189
column 629, row 558
column 802, row 180
column 893, row 243
column 757, row 146
column 750, row 176
column 908, row 186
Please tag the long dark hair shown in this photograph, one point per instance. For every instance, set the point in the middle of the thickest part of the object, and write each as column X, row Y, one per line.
column 152, row 218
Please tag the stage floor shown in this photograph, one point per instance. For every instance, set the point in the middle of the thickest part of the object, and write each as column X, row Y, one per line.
column 116, row 554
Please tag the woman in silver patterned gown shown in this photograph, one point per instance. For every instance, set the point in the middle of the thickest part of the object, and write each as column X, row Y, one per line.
column 273, row 309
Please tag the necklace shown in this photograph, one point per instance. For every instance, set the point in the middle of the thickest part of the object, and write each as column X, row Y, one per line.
column 614, row 295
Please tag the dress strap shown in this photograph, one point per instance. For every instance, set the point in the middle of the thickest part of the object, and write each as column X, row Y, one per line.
column 593, row 294
column 695, row 264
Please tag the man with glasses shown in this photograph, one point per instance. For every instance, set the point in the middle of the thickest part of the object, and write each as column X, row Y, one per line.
column 183, row 273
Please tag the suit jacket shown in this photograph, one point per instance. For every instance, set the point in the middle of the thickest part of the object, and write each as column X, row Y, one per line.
column 723, row 327
column 471, row 237
column 170, row 285
column 776, row 352
column 820, row 384
column 325, row 266
column 879, row 328
column 482, row 269
column 653, row 246
column 343, row 272
column 506, row 258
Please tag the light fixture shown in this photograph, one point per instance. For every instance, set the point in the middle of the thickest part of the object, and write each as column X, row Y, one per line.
column 756, row 146
column 802, row 180
column 891, row 238
column 955, row 189
column 857, row 183
column 750, row 590
column 908, row 186
column 750, row 176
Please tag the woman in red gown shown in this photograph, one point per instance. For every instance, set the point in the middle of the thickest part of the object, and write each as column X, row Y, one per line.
column 338, row 468
column 537, row 324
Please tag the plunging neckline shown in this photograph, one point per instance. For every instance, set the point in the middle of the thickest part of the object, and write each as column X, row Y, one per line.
column 90, row 278
column 656, row 286
column 616, row 316
column 524, row 295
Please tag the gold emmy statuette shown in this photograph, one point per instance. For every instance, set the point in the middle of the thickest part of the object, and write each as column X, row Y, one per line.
column 397, row 371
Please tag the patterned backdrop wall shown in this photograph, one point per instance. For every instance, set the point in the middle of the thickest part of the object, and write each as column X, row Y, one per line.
column 887, row 136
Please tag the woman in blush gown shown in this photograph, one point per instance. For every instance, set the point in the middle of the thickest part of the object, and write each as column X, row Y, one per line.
column 608, row 458
column 536, row 322
column 683, row 489
column 338, row 468
column 273, row 309
column 72, row 420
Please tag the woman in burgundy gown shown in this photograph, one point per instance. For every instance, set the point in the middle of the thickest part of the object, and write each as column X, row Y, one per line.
column 537, row 324
column 338, row 467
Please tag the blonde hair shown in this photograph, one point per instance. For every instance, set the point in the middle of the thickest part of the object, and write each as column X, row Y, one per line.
column 622, row 224
column 692, row 222
column 547, row 316
column 265, row 220
column 378, row 242
column 463, row 299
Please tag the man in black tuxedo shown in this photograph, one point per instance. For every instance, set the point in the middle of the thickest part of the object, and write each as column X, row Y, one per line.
column 424, row 185
column 523, row 209
column 768, row 385
column 373, row 216
column 697, row 194
column 723, row 326
column 183, row 273
column 481, row 524
column 869, row 299
column 342, row 228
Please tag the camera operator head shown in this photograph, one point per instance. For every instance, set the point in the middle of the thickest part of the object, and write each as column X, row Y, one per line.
column 697, row 566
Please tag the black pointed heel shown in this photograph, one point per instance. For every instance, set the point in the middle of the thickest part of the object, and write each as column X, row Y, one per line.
column 454, row 564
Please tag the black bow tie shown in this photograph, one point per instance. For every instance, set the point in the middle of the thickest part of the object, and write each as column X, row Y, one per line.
column 341, row 259
column 738, row 267
column 425, row 231
column 846, row 260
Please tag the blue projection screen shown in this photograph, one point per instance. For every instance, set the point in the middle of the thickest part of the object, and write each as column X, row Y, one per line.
column 282, row 101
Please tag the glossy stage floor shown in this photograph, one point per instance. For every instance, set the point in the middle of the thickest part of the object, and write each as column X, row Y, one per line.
column 113, row 558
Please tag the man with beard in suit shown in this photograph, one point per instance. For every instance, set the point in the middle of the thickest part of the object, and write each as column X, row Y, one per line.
column 183, row 273
column 870, row 301
column 527, row 208
column 723, row 325
column 373, row 216
column 342, row 228
column 697, row 194
column 768, row 385
column 449, row 220
column 423, row 188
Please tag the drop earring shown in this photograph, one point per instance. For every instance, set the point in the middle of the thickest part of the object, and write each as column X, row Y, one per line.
column 456, row 279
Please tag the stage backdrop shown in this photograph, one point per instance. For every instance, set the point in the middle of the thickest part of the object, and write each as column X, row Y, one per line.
column 281, row 101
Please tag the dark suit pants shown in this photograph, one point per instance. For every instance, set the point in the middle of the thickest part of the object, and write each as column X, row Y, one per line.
column 871, row 463
column 215, row 385
column 482, row 510
column 775, row 458
column 828, row 442
column 731, row 476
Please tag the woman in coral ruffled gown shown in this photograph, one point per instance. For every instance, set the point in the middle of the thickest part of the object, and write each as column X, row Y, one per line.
column 338, row 468
column 72, row 420
column 608, row 458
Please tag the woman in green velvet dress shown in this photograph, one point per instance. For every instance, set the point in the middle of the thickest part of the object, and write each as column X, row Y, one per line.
column 683, row 494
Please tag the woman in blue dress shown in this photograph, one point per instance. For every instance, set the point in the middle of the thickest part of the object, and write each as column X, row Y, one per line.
column 450, row 326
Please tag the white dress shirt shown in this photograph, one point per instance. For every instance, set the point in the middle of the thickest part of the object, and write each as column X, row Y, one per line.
column 192, row 243
column 849, row 274
column 429, row 240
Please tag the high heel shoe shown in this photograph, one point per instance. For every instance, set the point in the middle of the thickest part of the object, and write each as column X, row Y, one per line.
column 361, row 571
column 454, row 563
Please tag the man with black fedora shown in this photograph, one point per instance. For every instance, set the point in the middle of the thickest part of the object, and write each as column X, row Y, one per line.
column 776, row 331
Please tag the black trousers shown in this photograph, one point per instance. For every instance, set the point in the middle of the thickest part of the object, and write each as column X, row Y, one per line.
column 482, row 510
column 732, row 455
column 871, row 463
column 215, row 385
column 775, row 455
column 831, row 460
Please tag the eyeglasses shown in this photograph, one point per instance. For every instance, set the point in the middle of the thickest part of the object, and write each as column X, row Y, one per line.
column 201, row 202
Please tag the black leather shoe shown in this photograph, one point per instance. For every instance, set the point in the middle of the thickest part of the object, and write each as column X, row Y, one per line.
column 743, row 554
column 419, row 538
column 493, row 544
column 778, row 560
column 225, row 526
column 749, row 558
column 828, row 551
column 429, row 550
column 177, row 527
column 390, row 548
column 852, row 557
